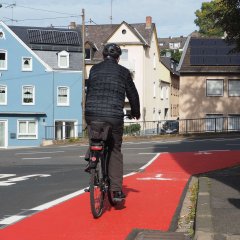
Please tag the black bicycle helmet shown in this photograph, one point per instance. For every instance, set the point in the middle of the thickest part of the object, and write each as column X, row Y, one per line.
column 112, row 50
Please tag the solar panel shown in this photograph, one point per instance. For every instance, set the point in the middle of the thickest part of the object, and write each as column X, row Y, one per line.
column 212, row 52
column 55, row 37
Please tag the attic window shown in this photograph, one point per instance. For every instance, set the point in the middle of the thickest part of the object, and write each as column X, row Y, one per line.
column 124, row 31
column 63, row 59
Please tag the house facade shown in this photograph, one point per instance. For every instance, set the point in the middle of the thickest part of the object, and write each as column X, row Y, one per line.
column 170, row 80
column 35, row 93
column 141, row 55
column 210, row 83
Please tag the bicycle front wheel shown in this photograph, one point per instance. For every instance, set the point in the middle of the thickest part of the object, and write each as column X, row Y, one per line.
column 96, row 193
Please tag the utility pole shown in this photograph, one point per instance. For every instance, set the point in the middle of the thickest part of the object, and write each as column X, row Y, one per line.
column 83, row 70
column 111, row 17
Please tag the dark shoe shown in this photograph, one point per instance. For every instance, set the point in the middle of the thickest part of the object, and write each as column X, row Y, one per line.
column 118, row 196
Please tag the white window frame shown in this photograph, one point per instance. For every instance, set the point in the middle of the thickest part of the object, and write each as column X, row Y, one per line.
column 212, row 91
column 154, row 89
column 234, row 89
column 24, row 68
column 154, row 61
column 33, row 95
column 5, row 67
column 5, row 97
column 63, row 54
column 124, row 55
column 234, row 122
column 27, row 134
column 67, row 103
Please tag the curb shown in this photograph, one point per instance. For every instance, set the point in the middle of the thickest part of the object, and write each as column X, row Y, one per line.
column 203, row 220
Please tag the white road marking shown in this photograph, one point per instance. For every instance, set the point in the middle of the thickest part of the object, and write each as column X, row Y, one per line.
column 29, row 153
column 11, row 219
column 147, row 153
column 155, row 147
column 7, row 175
column 57, row 201
column 207, row 152
column 12, row 181
column 36, row 158
column 158, row 177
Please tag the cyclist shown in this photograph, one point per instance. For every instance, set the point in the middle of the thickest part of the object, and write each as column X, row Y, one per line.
column 107, row 86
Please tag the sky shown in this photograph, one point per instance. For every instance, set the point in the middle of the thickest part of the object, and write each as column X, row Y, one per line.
column 172, row 17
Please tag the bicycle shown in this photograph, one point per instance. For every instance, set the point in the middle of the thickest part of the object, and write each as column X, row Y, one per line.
column 99, row 185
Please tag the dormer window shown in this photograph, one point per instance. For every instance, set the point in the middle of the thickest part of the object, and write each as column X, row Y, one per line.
column 88, row 53
column 63, row 59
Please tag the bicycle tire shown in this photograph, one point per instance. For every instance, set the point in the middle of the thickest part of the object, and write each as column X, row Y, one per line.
column 96, row 193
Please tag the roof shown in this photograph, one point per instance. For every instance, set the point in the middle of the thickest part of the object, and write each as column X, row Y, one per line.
column 164, row 42
column 170, row 64
column 49, row 39
column 47, row 42
column 99, row 34
column 209, row 55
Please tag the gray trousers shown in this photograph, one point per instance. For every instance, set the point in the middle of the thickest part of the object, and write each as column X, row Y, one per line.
column 115, row 167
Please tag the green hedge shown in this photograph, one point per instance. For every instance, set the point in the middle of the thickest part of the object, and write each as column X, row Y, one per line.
column 131, row 129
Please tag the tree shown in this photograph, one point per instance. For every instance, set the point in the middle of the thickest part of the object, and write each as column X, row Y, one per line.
column 175, row 54
column 206, row 21
column 227, row 16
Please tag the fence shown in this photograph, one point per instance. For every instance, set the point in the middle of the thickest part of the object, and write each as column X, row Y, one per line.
column 147, row 128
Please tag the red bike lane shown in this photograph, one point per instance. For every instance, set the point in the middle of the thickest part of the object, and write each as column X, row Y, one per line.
column 153, row 195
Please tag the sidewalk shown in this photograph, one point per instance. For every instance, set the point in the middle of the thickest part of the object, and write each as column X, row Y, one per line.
column 218, row 207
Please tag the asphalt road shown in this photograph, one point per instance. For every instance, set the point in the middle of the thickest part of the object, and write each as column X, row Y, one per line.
column 34, row 176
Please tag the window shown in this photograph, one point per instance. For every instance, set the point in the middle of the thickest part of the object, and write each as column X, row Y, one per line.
column 154, row 90
column 124, row 31
column 26, row 64
column 3, row 95
column 234, row 88
column 214, row 87
column 214, row 122
column 87, row 53
column 3, row 60
column 124, row 55
column 28, row 95
column 63, row 96
column 154, row 61
column 234, row 122
column 2, row 34
column 27, row 129
column 63, row 59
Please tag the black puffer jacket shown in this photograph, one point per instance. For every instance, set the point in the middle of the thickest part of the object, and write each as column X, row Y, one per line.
column 107, row 86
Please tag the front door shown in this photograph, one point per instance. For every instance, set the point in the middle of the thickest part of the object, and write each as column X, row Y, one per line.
column 3, row 135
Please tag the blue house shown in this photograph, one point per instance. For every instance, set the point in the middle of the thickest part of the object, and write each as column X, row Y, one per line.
column 40, row 85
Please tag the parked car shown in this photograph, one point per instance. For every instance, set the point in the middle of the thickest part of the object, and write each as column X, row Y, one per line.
column 170, row 127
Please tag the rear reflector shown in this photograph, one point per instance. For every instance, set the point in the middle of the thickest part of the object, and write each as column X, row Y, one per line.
column 96, row 148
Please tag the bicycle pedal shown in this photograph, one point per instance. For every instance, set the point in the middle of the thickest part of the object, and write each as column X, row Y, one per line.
column 86, row 190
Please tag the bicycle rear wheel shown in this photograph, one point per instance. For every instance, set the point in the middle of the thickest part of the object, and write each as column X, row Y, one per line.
column 96, row 193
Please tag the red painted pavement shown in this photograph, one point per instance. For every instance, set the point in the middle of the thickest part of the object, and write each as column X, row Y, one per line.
column 152, row 199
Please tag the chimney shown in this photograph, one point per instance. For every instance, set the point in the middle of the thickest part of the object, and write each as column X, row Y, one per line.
column 72, row 25
column 148, row 22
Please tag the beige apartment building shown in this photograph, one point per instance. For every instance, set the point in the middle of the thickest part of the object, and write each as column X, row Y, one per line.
column 210, row 83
